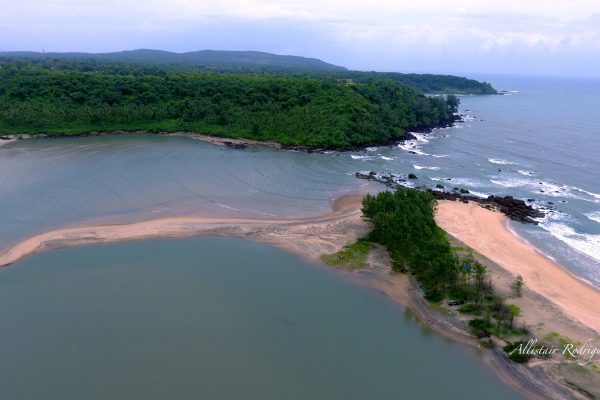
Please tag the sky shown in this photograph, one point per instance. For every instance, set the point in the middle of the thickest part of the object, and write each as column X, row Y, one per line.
column 550, row 37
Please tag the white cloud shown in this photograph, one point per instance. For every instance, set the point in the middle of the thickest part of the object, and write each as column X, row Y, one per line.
column 356, row 32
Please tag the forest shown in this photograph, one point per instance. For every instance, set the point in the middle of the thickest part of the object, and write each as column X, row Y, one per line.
column 296, row 110
column 403, row 221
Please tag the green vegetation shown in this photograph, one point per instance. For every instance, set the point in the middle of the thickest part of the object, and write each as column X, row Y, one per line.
column 204, row 59
column 517, row 286
column 293, row 110
column 352, row 257
column 403, row 221
column 514, row 354
column 240, row 62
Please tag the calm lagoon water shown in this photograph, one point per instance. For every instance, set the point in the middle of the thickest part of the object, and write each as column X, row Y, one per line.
column 214, row 318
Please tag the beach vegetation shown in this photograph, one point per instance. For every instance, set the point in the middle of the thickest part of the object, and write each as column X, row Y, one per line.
column 517, row 286
column 352, row 257
column 403, row 221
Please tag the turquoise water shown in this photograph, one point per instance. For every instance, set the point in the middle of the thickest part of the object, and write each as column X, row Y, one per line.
column 214, row 318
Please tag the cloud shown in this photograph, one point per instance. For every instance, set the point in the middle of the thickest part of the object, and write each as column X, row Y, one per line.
column 427, row 35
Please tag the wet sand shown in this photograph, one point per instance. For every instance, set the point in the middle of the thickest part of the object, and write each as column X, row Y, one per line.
column 310, row 237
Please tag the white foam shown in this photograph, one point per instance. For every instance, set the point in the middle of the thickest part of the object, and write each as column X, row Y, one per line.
column 357, row 157
column 501, row 161
column 439, row 155
column 587, row 244
column 372, row 148
column 479, row 194
column 420, row 137
column 387, row 158
column 411, row 146
column 548, row 188
column 423, row 167
column 594, row 216
column 526, row 173
column 595, row 195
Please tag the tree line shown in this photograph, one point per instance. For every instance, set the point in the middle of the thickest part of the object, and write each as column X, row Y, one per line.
column 314, row 112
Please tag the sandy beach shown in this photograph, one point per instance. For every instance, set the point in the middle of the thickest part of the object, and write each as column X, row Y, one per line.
column 309, row 236
column 487, row 232
column 483, row 230
column 552, row 295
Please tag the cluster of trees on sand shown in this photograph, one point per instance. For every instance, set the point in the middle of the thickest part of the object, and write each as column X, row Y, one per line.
column 313, row 112
column 403, row 221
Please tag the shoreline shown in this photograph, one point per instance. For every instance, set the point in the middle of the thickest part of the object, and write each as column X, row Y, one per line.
column 487, row 233
column 310, row 237
column 236, row 143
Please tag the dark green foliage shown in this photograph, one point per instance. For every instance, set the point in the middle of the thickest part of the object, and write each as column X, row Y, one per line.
column 514, row 354
column 254, row 60
column 517, row 286
column 404, row 222
column 241, row 62
column 480, row 327
column 293, row 110
column 470, row 309
column 435, row 296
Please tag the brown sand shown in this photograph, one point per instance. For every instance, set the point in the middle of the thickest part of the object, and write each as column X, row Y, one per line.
column 487, row 232
column 310, row 236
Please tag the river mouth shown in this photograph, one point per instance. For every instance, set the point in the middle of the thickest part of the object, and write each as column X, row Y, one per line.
column 216, row 317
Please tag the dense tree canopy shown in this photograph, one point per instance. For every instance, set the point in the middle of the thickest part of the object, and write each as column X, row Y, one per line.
column 404, row 222
column 317, row 112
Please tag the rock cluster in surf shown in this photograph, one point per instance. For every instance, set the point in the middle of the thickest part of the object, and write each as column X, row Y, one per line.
column 515, row 209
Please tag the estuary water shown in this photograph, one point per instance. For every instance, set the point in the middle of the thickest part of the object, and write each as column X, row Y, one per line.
column 214, row 319
column 231, row 318
column 539, row 142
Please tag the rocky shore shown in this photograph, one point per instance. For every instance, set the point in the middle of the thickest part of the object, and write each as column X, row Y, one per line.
column 515, row 209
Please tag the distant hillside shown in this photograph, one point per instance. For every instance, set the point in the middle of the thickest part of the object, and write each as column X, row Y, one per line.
column 203, row 58
column 138, row 62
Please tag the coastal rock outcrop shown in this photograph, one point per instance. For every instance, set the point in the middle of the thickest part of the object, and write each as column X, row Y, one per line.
column 515, row 209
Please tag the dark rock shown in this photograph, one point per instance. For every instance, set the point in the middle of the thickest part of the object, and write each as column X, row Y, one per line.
column 412, row 176
column 439, row 186
column 238, row 146
column 464, row 191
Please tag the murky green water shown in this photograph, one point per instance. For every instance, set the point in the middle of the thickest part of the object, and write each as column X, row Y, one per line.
column 214, row 318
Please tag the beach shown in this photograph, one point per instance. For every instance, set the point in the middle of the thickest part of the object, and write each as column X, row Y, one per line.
column 309, row 236
column 554, row 299
column 549, row 286
column 487, row 232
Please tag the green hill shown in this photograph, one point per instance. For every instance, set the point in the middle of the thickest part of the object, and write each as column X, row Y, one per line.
column 309, row 112
column 203, row 58
column 239, row 62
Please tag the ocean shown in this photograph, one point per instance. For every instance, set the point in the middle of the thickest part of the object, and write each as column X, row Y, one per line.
column 540, row 141
column 162, row 318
